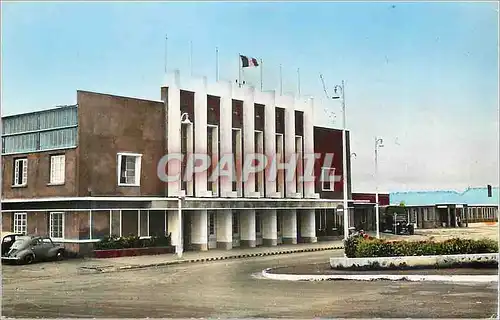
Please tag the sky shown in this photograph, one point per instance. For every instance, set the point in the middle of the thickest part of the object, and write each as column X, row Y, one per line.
column 422, row 76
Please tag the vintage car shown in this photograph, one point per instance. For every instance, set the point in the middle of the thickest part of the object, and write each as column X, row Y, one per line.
column 397, row 224
column 8, row 238
column 28, row 249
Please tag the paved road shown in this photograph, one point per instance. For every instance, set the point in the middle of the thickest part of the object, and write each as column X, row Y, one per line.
column 227, row 289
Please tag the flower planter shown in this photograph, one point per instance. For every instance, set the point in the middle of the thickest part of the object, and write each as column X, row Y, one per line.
column 129, row 252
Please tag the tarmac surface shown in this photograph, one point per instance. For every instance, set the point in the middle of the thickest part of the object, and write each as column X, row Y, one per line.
column 230, row 288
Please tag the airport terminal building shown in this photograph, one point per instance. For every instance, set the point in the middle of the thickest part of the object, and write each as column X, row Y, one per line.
column 81, row 172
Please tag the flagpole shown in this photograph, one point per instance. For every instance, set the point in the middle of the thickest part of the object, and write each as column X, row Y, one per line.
column 261, row 77
column 216, row 64
column 298, row 80
column 281, row 81
column 239, row 69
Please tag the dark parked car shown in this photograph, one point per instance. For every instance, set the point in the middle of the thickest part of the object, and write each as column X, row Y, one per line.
column 8, row 238
column 28, row 249
column 397, row 224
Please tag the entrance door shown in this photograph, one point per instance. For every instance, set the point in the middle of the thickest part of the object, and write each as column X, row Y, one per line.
column 186, row 231
column 258, row 228
column 236, row 227
column 212, row 227
column 279, row 225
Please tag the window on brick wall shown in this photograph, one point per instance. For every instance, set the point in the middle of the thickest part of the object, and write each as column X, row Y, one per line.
column 20, row 176
column 57, row 169
column 20, row 222
column 129, row 169
column 56, row 225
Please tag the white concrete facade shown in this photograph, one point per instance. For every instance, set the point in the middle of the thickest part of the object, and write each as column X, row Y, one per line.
column 255, row 227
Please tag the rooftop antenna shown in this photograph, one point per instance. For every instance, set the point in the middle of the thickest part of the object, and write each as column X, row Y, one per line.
column 332, row 115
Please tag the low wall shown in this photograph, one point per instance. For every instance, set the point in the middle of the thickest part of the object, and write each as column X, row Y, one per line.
column 129, row 252
column 403, row 262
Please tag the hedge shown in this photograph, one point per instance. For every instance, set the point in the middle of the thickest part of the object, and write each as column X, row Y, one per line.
column 132, row 241
column 370, row 247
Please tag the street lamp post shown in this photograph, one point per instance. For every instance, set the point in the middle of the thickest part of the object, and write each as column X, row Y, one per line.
column 180, row 245
column 379, row 143
column 344, row 156
column 179, row 248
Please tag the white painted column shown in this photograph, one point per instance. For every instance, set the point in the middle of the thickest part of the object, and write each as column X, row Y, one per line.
column 224, row 229
column 226, row 137
column 309, row 189
column 290, row 155
column 270, row 144
column 269, row 227
column 289, row 226
column 247, row 225
column 173, row 226
column 199, row 230
column 200, row 133
column 249, row 139
column 308, row 225
column 173, row 113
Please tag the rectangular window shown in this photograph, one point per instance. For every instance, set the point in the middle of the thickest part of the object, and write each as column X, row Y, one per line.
column 280, row 176
column 57, row 225
column 57, row 169
column 129, row 169
column 326, row 179
column 259, row 149
column 20, row 172
column 211, row 223
column 20, row 222
column 237, row 150
column 236, row 222
column 300, row 164
column 213, row 154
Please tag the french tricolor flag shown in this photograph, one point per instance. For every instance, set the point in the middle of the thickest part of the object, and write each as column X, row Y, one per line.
column 247, row 62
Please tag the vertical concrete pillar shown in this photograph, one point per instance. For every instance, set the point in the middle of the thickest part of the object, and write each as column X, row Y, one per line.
column 173, row 114
column 226, row 134
column 200, row 134
column 270, row 145
column 308, row 225
column 199, row 230
column 224, row 229
column 269, row 228
column 309, row 191
column 290, row 155
column 173, row 226
column 289, row 226
column 247, row 225
column 249, row 139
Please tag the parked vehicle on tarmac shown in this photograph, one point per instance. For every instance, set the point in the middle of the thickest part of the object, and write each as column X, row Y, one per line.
column 29, row 249
column 397, row 224
column 8, row 238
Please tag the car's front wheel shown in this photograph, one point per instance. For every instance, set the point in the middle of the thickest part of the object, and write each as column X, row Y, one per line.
column 59, row 255
column 29, row 259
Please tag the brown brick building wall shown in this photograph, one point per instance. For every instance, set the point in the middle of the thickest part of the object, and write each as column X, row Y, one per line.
column 39, row 176
column 109, row 125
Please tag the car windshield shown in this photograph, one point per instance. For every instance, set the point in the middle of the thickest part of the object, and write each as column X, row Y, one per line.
column 21, row 242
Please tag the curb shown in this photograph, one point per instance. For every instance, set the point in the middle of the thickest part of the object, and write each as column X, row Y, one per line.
column 230, row 257
column 372, row 277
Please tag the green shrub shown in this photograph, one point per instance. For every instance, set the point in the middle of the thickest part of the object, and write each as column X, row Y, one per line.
column 360, row 248
column 132, row 241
